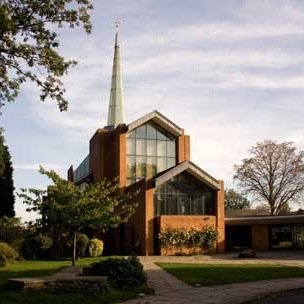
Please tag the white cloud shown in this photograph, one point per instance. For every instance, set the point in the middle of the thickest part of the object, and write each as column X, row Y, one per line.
column 36, row 166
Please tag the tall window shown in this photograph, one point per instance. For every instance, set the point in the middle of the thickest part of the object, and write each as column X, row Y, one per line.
column 150, row 150
column 184, row 195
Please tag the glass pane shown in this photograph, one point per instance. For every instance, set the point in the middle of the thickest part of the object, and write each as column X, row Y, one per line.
column 140, row 147
column 161, row 135
column 141, row 132
column 171, row 148
column 130, row 166
column 151, row 166
column 171, row 205
column 140, row 166
column 130, row 181
column 161, row 164
column 171, row 162
column 161, row 148
column 197, row 205
column 151, row 147
column 131, row 146
column 151, row 132
column 183, row 204
column 131, row 134
column 209, row 203
column 159, row 204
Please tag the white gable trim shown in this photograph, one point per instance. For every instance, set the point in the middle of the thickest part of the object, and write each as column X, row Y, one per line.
column 160, row 120
column 194, row 170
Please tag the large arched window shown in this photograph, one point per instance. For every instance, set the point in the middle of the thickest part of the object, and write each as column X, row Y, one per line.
column 184, row 195
column 150, row 150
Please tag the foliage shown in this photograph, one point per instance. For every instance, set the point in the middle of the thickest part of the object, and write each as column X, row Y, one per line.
column 7, row 197
column 121, row 272
column 29, row 45
column 10, row 223
column 45, row 268
column 274, row 174
column 36, row 246
column 235, row 200
column 101, row 205
column 1, row 152
column 217, row 274
column 7, row 254
column 192, row 238
column 95, row 247
column 82, row 243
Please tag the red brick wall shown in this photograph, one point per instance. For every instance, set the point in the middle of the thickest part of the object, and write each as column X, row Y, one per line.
column 220, row 219
column 183, row 148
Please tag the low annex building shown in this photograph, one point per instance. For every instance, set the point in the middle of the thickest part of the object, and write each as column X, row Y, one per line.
column 152, row 155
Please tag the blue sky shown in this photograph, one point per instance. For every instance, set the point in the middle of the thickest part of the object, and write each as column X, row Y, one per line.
column 235, row 68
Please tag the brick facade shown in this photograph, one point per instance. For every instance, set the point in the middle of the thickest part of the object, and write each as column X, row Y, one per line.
column 107, row 159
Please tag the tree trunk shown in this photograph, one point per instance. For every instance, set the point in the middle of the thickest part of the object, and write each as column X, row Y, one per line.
column 74, row 247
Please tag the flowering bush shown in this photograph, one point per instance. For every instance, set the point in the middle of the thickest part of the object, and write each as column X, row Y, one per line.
column 192, row 238
column 95, row 247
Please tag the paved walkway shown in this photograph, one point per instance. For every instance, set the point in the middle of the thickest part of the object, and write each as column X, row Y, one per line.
column 170, row 290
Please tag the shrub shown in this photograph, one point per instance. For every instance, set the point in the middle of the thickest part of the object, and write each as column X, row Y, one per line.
column 36, row 245
column 192, row 238
column 95, row 247
column 7, row 254
column 82, row 243
column 121, row 273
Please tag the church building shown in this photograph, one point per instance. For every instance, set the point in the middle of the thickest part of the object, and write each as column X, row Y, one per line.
column 151, row 155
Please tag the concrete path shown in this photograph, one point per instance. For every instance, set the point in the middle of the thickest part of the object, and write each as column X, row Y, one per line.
column 170, row 290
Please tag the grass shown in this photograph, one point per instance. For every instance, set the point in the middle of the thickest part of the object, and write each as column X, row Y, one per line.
column 44, row 268
column 216, row 274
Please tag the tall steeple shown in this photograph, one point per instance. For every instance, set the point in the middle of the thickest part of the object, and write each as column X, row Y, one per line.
column 116, row 114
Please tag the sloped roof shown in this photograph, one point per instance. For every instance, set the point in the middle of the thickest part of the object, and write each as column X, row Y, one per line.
column 160, row 120
column 191, row 168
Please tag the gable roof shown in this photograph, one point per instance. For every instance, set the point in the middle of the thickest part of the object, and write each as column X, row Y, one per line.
column 160, row 120
column 191, row 168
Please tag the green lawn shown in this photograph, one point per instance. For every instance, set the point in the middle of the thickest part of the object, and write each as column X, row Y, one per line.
column 216, row 274
column 44, row 268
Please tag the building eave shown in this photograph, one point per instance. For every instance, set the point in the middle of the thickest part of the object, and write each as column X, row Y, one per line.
column 264, row 220
column 160, row 120
column 191, row 168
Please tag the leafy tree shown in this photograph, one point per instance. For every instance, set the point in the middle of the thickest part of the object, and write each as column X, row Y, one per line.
column 273, row 174
column 100, row 205
column 29, row 45
column 234, row 200
column 1, row 152
column 7, row 198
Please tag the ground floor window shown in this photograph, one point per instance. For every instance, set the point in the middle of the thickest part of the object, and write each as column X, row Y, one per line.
column 287, row 236
column 281, row 236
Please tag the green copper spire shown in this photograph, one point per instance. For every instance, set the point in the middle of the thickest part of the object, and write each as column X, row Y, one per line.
column 116, row 114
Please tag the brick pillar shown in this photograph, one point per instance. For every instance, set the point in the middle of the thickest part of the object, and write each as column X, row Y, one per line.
column 183, row 148
column 149, row 227
column 122, row 159
column 220, row 219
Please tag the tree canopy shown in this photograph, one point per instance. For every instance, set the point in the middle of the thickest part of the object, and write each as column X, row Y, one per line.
column 235, row 200
column 7, row 198
column 274, row 174
column 1, row 152
column 101, row 205
column 29, row 44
